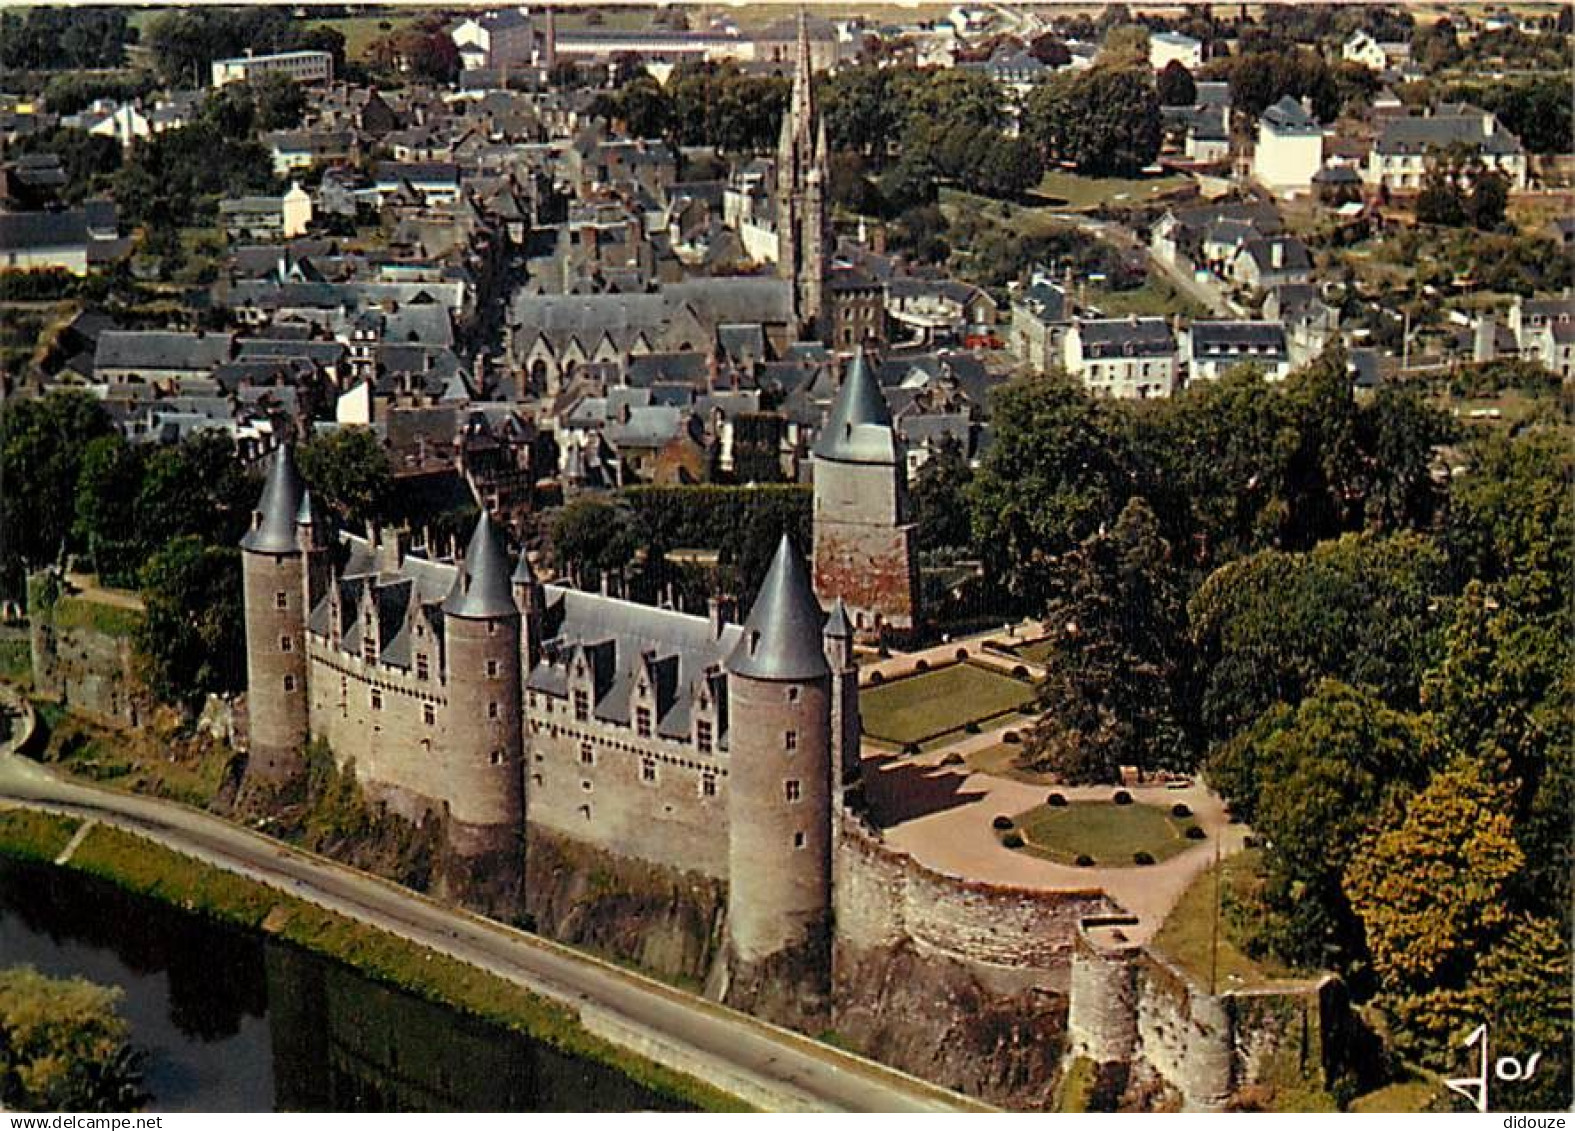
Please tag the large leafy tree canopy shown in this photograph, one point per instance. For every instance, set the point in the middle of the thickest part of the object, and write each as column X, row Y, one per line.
column 64, row 1046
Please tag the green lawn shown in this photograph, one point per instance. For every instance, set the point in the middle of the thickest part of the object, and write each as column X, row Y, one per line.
column 112, row 620
column 927, row 706
column 1406, row 1096
column 360, row 31
column 1036, row 653
column 1187, row 935
column 16, row 661
column 1156, row 297
column 1103, row 830
column 1080, row 194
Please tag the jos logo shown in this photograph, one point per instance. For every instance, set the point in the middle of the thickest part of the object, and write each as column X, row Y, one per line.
column 1505, row 1068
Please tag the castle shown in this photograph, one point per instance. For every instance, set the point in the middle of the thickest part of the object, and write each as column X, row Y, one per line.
column 471, row 690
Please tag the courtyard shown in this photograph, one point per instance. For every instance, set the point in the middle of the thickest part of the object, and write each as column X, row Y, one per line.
column 1102, row 833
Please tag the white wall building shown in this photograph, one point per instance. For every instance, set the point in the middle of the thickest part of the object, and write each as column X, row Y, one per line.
column 301, row 66
column 1290, row 148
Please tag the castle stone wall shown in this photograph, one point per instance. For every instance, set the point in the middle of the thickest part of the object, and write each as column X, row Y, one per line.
column 91, row 671
column 609, row 803
column 883, row 896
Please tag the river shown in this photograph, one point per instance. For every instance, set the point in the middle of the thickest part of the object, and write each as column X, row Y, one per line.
column 234, row 1021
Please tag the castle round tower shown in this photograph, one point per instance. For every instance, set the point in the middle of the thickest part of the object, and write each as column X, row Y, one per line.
column 274, row 596
column 780, row 775
column 482, row 727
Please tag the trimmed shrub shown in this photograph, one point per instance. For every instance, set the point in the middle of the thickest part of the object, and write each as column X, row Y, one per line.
column 1122, row 797
column 877, row 678
column 953, row 759
column 961, row 654
column 1013, row 840
column 1011, row 737
column 1003, row 822
column 1056, row 800
column 910, row 748
column 922, row 666
column 1180, row 810
column 1142, row 858
column 1195, row 832
column 970, row 727
column 1085, row 861
column 1019, row 671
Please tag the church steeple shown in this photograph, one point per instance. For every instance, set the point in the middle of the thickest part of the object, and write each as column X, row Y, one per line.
column 803, row 230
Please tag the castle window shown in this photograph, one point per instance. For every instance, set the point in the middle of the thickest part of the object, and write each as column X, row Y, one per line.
column 492, row 669
column 792, row 790
column 281, row 599
column 422, row 671
column 703, row 736
column 530, row 700
column 586, row 810
column 586, row 785
column 369, row 649
column 582, row 706
column 289, row 683
column 497, row 757
column 587, row 754
column 492, row 628
column 707, row 785
column 642, row 722
column 798, row 840
column 790, row 740
column 792, row 695
column 428, row 714
column 492, row 710
column 648, row 769
column 377, row 699
column 286, row 644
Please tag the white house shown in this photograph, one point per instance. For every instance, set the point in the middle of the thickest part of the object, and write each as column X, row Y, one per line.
column 301, row 66
column 1165, row 47
column 1407, row 147
column 1210, row 349
column 1290, row 148
column 1129, row 358
column 495, row 39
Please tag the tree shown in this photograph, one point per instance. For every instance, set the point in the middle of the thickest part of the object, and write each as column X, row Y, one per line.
column 1104, row 120
column 590, row 537
column 1313, row 781
column 349, row 471
column 64, row 1046
column 1440, row 200
column 42, row 441
column 1175, row 86
column 1429, row 891
column 1117, row 626
column 1489, row 196
column 1364, row 609
column 940, row 498
column 1508, row 520
column 1125, row 45
column 191, row 640
column 1054, row 473
column 105, row 521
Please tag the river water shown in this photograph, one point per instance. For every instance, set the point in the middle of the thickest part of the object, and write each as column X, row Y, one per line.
column 235, row 1021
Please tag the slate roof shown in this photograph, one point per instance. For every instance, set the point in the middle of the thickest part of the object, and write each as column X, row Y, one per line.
column 1449, row 125
column 782, row 639
column 1126, row 337
column 161, row 349
column 858, row 428
column 1213, row 339
column 481, row 584
column 273, row 523
column 23, row 231
column 1287, row 117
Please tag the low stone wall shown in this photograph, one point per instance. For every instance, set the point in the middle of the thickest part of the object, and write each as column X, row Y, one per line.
column 92, row 672
column 1131, row 1007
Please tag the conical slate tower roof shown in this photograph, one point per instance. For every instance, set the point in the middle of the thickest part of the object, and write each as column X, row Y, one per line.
column 838, row 626
column 482, row 587
column 782, row 635
column 858, row 427
column 281, row 499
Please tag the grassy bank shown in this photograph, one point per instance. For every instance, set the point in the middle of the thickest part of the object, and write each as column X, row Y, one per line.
column 138, row 865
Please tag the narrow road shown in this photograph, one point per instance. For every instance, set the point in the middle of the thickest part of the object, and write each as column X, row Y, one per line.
column 765, row 1065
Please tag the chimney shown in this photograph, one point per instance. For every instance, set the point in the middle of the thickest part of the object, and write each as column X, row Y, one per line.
column 1277, row 254
column 720, row 612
